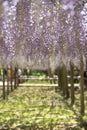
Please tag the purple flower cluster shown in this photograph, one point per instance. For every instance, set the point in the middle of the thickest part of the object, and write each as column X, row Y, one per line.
column 42, row 33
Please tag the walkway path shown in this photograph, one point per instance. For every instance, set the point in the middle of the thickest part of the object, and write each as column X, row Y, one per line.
column 37, row 109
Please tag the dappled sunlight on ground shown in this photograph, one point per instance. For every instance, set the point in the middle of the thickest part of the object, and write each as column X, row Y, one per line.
column 38, row 109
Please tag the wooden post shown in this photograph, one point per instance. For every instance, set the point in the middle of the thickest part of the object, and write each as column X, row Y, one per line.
column 65, row 82
column 15, row 78
column 11, row 79
column 59, row 77
column 7, row 83
column 56, row 88
column 4, row 94
column 72, row 83
column 82, row 86
column 50, row 74
column 62, row 81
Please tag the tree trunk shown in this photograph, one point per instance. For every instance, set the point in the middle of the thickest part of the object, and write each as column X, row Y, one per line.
column 72, row 83
column 82, row 86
